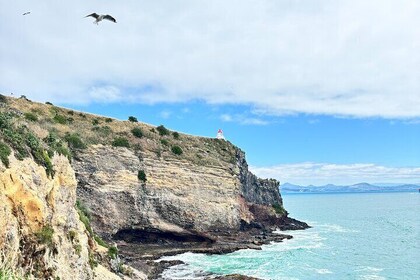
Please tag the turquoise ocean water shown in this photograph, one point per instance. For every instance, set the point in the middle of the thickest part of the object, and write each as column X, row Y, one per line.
column 354, row 236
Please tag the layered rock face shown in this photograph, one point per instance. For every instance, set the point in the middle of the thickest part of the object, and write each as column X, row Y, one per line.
column 40, row 230
column 178, row 196
column 180, row 200
column 254, row 189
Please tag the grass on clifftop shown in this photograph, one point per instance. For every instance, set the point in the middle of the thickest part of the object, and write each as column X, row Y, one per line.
column 77, row 130
column 25, row 143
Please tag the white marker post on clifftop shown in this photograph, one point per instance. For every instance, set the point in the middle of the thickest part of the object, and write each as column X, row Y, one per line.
column 220, row 135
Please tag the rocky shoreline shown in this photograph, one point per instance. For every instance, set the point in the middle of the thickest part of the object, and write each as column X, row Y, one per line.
column 144, row 256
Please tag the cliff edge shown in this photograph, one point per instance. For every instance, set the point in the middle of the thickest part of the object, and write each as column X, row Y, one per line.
column 147, row 190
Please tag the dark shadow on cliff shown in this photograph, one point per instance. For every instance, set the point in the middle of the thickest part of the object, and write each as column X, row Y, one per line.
column 156, row 236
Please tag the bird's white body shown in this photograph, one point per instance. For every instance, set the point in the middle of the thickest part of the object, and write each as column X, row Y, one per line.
column 98, row 19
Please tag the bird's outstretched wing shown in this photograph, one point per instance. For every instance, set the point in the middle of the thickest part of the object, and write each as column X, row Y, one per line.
column 95, row 15
column 108, row 17
column 27, row 13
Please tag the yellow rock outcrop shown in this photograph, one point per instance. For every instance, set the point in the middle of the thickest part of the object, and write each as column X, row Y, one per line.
column 31, row 202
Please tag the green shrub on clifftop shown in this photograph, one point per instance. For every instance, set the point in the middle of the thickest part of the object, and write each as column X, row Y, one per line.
column 141, row 175
column 102, row 131
column 60, row 119
column 162, row 130
column 13, row 136
column 31, row 117
column 121, row 142
column 24, row 143
column 74, row 141
column 176, row 150
column 137, row 132
column 132, row 119
column 56, row 145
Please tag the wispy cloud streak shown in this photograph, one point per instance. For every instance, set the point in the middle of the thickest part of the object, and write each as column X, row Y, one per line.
column 243, row 119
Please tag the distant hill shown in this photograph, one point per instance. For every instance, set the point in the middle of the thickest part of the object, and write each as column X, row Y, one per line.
column 356, row 188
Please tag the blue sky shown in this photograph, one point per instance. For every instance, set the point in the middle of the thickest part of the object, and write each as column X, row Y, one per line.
column 270, row 140
column 323, row 91
column 387, row 148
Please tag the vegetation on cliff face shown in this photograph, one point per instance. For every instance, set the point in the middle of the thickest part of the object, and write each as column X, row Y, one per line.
column 141, row 175
column 85, row 217
column 8, row 272
column 5, row 152
column 279, row 209
column 24, row 142
column 45, row 236
column 137, row 132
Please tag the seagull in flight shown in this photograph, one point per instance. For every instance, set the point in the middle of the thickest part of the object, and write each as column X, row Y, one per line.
column 98, row 18
column 27, row 13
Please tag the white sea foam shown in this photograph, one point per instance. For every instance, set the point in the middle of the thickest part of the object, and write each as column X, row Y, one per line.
column 323, row 271
column 183, row 256
column 371, row 277
column 308, row 240
column 183, row 271
column 370, row 269
column 370, row 273
column 334, row 228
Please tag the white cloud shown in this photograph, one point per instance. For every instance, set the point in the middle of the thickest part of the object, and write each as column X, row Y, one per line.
column 186, row 110
column 243, row 119
column 353, row 58
column 226, row 118
column 165, row 114
column 324, row 173
column 313, row 121
column 107, row 94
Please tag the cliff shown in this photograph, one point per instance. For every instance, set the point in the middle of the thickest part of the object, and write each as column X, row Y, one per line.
column 147, row 190
column 40, row 230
